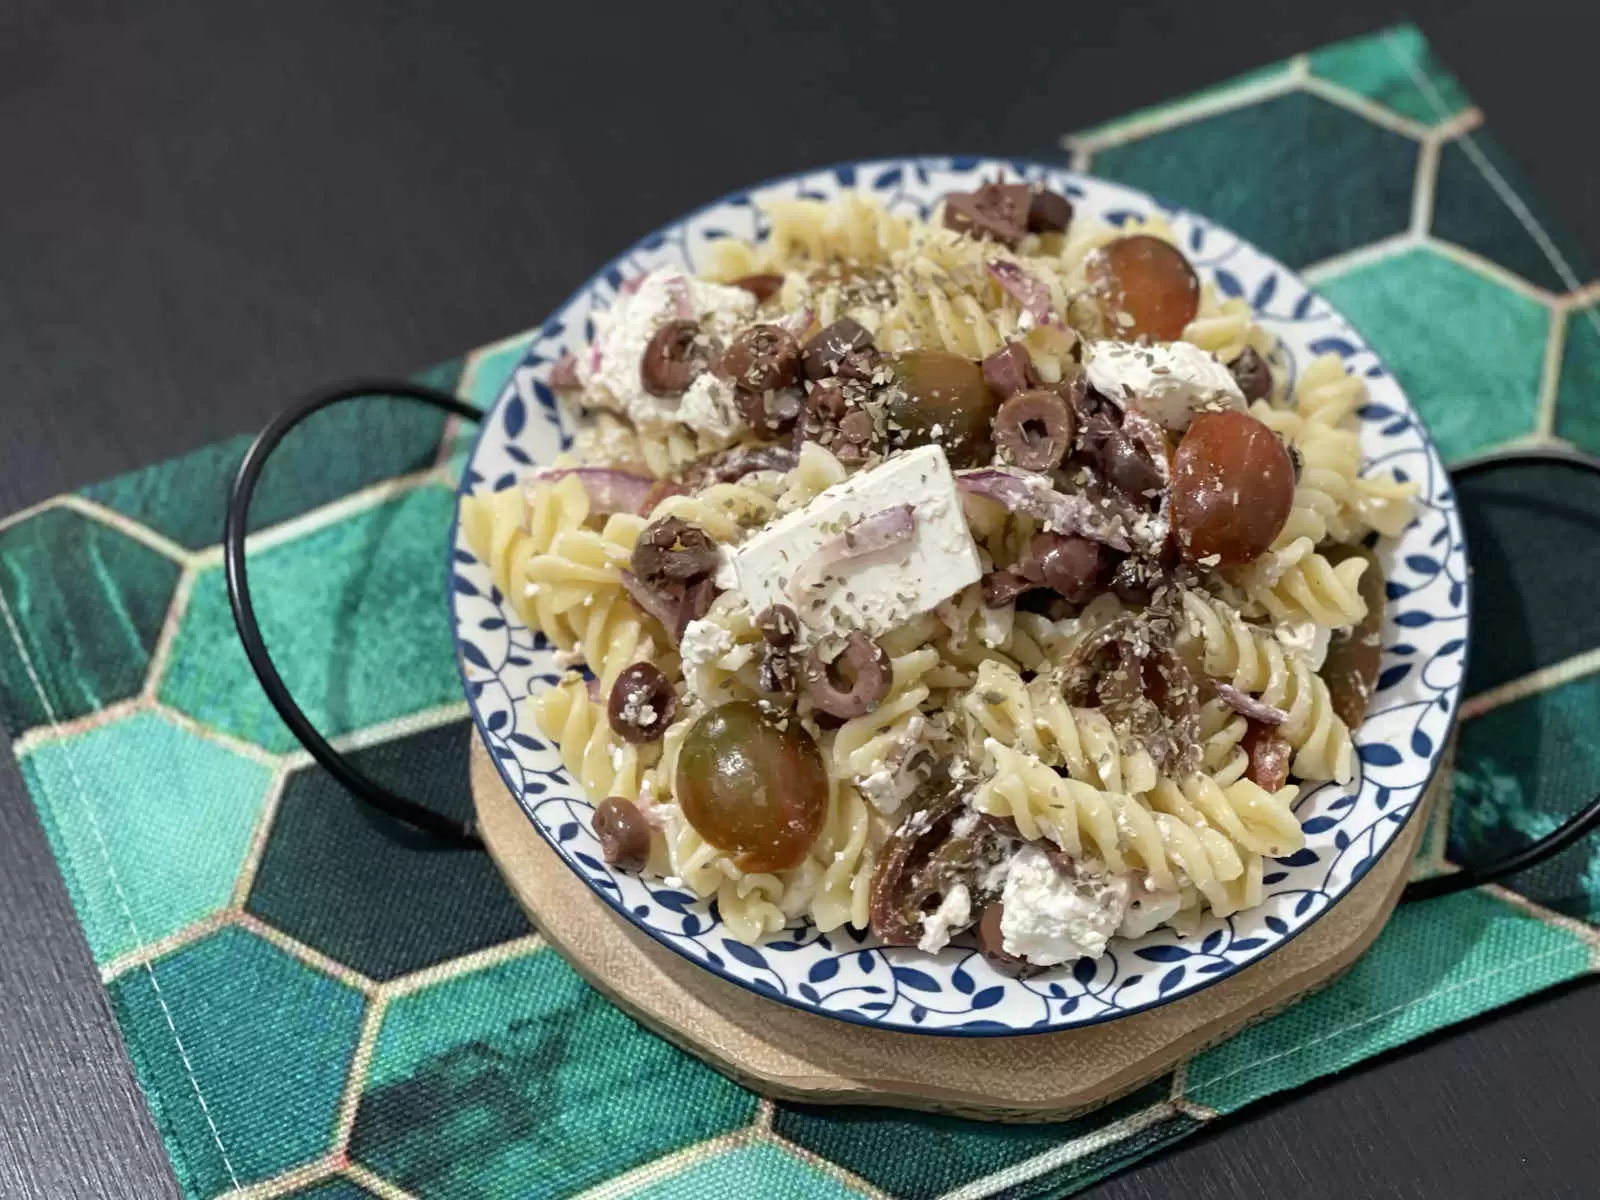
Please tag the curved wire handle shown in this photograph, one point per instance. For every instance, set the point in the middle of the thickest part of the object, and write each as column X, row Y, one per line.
column 357, row 782
column 1587, row 818
column 463, row 834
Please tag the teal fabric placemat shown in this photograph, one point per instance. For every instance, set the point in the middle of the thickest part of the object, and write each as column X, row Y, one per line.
column 320, row 1004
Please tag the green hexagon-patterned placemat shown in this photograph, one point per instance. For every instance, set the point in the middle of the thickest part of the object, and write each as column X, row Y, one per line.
column 318, row 1003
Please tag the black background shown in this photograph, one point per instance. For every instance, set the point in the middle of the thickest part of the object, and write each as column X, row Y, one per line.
column 207, row 207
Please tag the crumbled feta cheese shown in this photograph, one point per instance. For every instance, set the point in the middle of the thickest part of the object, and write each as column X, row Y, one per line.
column 703, row 642
column 878, row 593
column 994, row 878
column 624, row 330
column 708, row 406
column 1169, row 381
column 953, row 913
column 1148, row 908
column 903, row 768
column 1305, row 638
column 997, row 624
column 1053, row 916
column 637, row 710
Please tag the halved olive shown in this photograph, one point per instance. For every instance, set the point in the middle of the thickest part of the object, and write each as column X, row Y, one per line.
column 1351, row 667
column 938, row 397
column 1068, row 564
column 762, row 358
column 752, row 786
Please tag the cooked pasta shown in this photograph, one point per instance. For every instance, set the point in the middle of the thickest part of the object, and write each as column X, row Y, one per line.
column 912, row 646
column 1254, row 661
column 1036, row 719
column 1298, row 584
column 1114, row 830
column 600, row 760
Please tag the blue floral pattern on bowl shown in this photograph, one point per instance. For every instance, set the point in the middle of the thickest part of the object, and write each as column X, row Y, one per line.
column 845, row 974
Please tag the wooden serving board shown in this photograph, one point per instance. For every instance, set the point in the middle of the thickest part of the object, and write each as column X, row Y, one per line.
column 794, row 1055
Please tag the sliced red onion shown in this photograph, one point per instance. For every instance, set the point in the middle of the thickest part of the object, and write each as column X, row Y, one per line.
column 796, row 323
column 1106, row 519
column 678, row 289
column 594, row 358
column 630, row 285
column 651, row 601
column 564, row 373
column 609, row 490
column 674, row 607
column 1247, row 705
column 871, row 535
column 731, row 465
column 1029, row 292
column 593, row 687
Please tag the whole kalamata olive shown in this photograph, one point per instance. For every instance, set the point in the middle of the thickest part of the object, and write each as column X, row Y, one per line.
column 1232, row 488
column 822, row 353
column 779, row 625
column 752, row 786
column 846, row 677
column 674, row 356
column 762, row 358
column 1251, row 373
column 941, row 398
column 641, row 703
column 1033, row 430
column 991, row 941
column 623, row 832
column 1354, row 656
column 1118, row 458
column 673, row 549
column 1065, row 563
column 1049, row 212
column 1010, row 370
column 1148, row 285
column 771, row 413
column 997, row 211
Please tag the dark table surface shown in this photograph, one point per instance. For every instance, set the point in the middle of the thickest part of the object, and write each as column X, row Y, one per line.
column 207, row 207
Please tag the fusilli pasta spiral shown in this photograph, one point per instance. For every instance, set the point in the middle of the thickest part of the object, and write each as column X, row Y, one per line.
column 601, row 761
column 1114, row 829
column 1254, row 661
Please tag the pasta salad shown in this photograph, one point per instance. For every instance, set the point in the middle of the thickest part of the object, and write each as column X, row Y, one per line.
column 972, row 575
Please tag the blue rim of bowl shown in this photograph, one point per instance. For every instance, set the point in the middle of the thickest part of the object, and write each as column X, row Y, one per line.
column 944, row 161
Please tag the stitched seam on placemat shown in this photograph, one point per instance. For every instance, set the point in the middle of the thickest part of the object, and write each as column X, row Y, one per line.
column 1496, row 181
column 111, row 873
column 1192, row 1085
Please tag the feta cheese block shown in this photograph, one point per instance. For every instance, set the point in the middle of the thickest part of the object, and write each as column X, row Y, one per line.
column 878, row 592
column 1168, row 382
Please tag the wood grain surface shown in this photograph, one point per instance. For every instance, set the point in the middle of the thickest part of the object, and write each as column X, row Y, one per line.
column 208, row 207
column 788, row 1054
